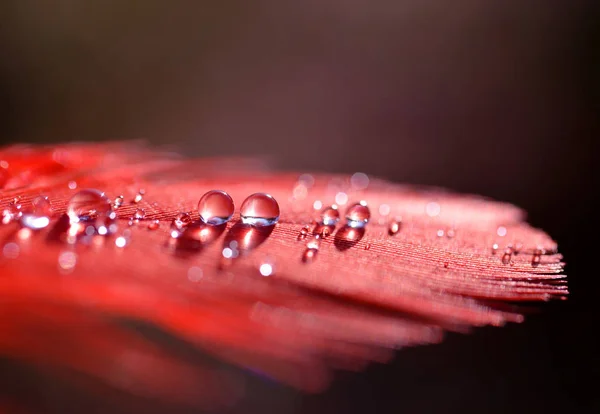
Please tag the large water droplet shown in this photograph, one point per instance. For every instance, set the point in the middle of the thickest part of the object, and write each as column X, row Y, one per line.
column 330, row 215
column 41, row 206
column 260, row 209
column 88, row 204
column 358, row 215
column 215, row 207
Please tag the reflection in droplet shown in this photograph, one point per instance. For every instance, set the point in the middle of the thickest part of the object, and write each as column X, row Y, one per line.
column 199, row 235
column 154, row 225
column 358, row 215
column 330, row 215
column 245, row 237
column 266, row 269
column 215, row 207
column 88, row 204
column 138, row 198
column 501, row 231
column 11, row 250
column 260, row 209
column 40, row 206
column 346, row 237
column 433, row 209
column 341, row 198
column 359, row 181
column 34, row 222
column 67, row 261
column 394, row 227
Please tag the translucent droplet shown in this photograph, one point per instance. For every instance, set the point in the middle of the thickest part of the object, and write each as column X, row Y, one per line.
column 359, row 181
column 40, row 206
column 394, row 227
column 215, row 207
column 154, row 225
column 433, row 209
column 506, row 257
column 309, row 255
column 260, row 209
column 330, row 215
column 118, row 202
column 140, row 213
column 501, row 231
column 358, row 215
column 303, row 232
column 266, row 269
column 138, row 198
column 314, row 243
column 67, row 261
column 34, row 222
column 88, row 204
column 182, row 220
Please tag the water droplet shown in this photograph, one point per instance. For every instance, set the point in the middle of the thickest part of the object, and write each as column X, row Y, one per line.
column 11, row 250
column 303, row 232
column 88, row 204
column 394, row 227
column 495, row 248
column 260, row 209
column 341, row 198
column 309, row 255
column 194, row 274
column 537, row 258
column 440, row 233
column 140, row 213
column 121, row 242
column 182, row 220
column 368, row 246
column 314, row 243
column 72, row 185
column 12, row 212
column 384, row 209
column 67, row 261
column 323, row 231
column 433, row 209
column 41, row 206
column 445, row 265
column 330, row 216
column 154, row 225
column 118, row 202
column 317, row 205
column 358, row 215
column 138, row 198
column 501, row 231
column 359, row 181
column 215, row 207
column 507, row 256
column 34, row 222
column 266, row 269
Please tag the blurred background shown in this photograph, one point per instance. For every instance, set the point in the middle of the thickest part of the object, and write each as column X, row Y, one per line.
column 491, row 97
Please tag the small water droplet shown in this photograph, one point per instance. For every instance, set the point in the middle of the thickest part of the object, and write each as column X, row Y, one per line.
column 330, row 215
column 260, row 209
column 450, row 233
column 303, row 232
column 317, row 205
column 445, row 265
column 11, row 250
column 537, row 258
column 368, row 246
column 140, row 213
column 72, row 185
column 507, row 256
column 34, row 222
column 154, row 225
column 12, row 212
column 118, row 202
column 433, row 209
column 182, row 220
column 359, row 181
column 314, row 243
column 501, row 231
column 440, row 233
column 358, row 215
column 88, row 204
column 41, row 206
column 138, row 198
column 215, row 207
column 394, row 227
column 495, row 248
column 309, row 255
column 341, row 198
column 266, row 269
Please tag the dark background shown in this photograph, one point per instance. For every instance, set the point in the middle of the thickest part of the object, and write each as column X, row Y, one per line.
column 499, row 98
